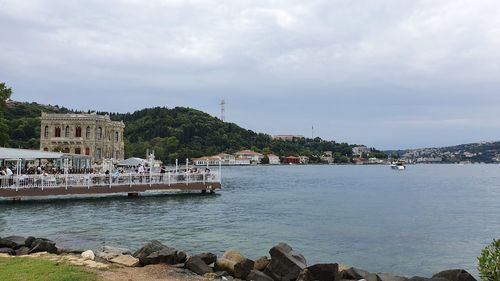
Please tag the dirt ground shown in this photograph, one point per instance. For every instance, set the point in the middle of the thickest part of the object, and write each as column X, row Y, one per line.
column 158, row 272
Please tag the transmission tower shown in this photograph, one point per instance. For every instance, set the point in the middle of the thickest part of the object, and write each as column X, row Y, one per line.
column 223, row 110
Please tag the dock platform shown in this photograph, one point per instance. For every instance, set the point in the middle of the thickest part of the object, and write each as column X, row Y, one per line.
column 17, row 187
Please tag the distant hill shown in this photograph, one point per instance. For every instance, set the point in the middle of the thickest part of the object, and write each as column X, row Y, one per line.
column 176, row 133
column 481, row 152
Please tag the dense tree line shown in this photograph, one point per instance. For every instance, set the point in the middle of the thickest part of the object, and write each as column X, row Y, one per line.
column 173, row 133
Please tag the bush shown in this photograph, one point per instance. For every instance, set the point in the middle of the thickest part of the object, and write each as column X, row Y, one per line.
column 489, row 262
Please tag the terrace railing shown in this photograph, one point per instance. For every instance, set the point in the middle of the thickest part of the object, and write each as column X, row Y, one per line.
column 101, row 180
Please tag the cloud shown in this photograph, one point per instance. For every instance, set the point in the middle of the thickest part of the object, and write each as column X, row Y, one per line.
column 389, row 54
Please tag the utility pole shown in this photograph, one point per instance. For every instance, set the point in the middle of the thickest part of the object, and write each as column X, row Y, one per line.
column 222, row 110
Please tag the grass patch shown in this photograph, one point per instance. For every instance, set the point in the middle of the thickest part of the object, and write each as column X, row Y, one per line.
column 27, row 269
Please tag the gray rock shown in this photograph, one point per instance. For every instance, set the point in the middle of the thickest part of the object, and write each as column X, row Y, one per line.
column 29, row 241
column 115, row 250
column 354, row 274
column 22, row 251
column 198, row 266
column 149, row 248
column 390, row 277
column 181, row 257
column 261, row 263
column 372, row 277
column 167, row 255
column 455, row 275
column 8, row 251
column 320, row 272
column 208, row 258
column 286, row 264
column 256, row 275
column 418, row 278
column 43, row 245
column 16, row 241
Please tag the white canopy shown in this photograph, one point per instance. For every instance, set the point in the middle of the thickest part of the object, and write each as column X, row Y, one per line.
column 132, row 162
column 27, row 154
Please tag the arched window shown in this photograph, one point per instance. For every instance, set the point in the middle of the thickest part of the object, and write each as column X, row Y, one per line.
column 46, row 132
column 99, row 134
column 87, row 132
column 78, row 150
column 98, row 153
column 45, row 149
column 87, row 151
column 66, row 132
column 117, row 135
column 66, row 150
column 78, row 132
column 57, row 132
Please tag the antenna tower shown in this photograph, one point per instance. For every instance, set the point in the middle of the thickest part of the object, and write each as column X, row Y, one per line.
column 223, row 110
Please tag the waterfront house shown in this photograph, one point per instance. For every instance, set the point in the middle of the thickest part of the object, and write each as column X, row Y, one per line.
column 252, row 156
column 273, row 159
column 227, row 159
column 206, row 160
column 291, row 160
column 360, row 150
column 327, row 157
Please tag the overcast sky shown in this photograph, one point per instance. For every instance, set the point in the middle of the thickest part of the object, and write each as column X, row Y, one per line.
column 389, row 74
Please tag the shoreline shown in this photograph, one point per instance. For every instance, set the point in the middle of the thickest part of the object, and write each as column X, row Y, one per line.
column 281, row 263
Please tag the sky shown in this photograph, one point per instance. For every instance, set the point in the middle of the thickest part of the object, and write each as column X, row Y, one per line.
column 390, row 74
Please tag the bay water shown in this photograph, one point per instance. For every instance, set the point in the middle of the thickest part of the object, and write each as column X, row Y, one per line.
column 413, row 222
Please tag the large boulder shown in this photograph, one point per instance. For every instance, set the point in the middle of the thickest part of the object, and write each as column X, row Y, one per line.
column 22, row 251
column 198, row 266
column 390, row 277
column 354, row 274
column 256, row 275
column 286, row 264
column 208, row 258
column 418, row 278
column 126, row 260
column 166, row 255
column 8, row 251
column 455, row 275
column 261, row 263
column 13, row 242
column 320, row 272
column 43, row 245
column 235, row 264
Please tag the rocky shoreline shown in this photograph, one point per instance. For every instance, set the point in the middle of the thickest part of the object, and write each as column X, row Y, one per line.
column 282, row 264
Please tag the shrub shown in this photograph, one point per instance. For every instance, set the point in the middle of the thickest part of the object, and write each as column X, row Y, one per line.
column 489, row 262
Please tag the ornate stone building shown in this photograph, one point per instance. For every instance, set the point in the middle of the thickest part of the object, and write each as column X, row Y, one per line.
column 87, row 134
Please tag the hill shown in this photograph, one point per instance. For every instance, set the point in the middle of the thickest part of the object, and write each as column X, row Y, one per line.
column 481, row 152
column 178, row 132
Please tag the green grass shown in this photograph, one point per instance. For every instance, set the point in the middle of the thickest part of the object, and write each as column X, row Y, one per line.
column 27, row 269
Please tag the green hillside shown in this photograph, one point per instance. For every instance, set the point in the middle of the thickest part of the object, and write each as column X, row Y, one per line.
column 174, row 133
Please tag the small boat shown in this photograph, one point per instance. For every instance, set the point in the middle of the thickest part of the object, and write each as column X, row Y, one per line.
column 398, row 166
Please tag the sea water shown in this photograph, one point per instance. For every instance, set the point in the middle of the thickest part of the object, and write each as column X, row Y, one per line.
column 413, row 222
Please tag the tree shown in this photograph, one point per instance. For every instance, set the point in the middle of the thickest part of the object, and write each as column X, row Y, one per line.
column 264, row 160
column 5, row 93
column 489, row 262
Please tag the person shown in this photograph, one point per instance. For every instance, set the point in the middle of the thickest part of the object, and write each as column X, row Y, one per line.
column 9, row 174
column 163, row 169
column 140, row 170
column 116, row 174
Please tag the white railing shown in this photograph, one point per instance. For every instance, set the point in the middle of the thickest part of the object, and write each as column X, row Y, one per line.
column 91, row 180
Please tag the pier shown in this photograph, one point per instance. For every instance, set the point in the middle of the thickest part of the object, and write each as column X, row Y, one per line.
column 132, row 184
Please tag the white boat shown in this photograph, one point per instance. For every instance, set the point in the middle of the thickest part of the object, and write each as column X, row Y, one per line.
column 398, row 166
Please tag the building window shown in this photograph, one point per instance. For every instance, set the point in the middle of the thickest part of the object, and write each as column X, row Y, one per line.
column 117, row 154
column 99, row 134
column 66, row 150
column 57, row 132
column 87, row 151
column 87, row 132
column 45, row 149
column 78, row 150
column 66, row 132
column 117, row 136
column 98, row 153
column 78, row 132
column 46, row 132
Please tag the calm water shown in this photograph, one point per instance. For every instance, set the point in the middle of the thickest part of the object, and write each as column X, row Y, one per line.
column 418, row 221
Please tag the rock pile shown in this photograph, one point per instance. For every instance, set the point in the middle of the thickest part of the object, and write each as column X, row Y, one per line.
column 20, row 246
column 284, row 264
